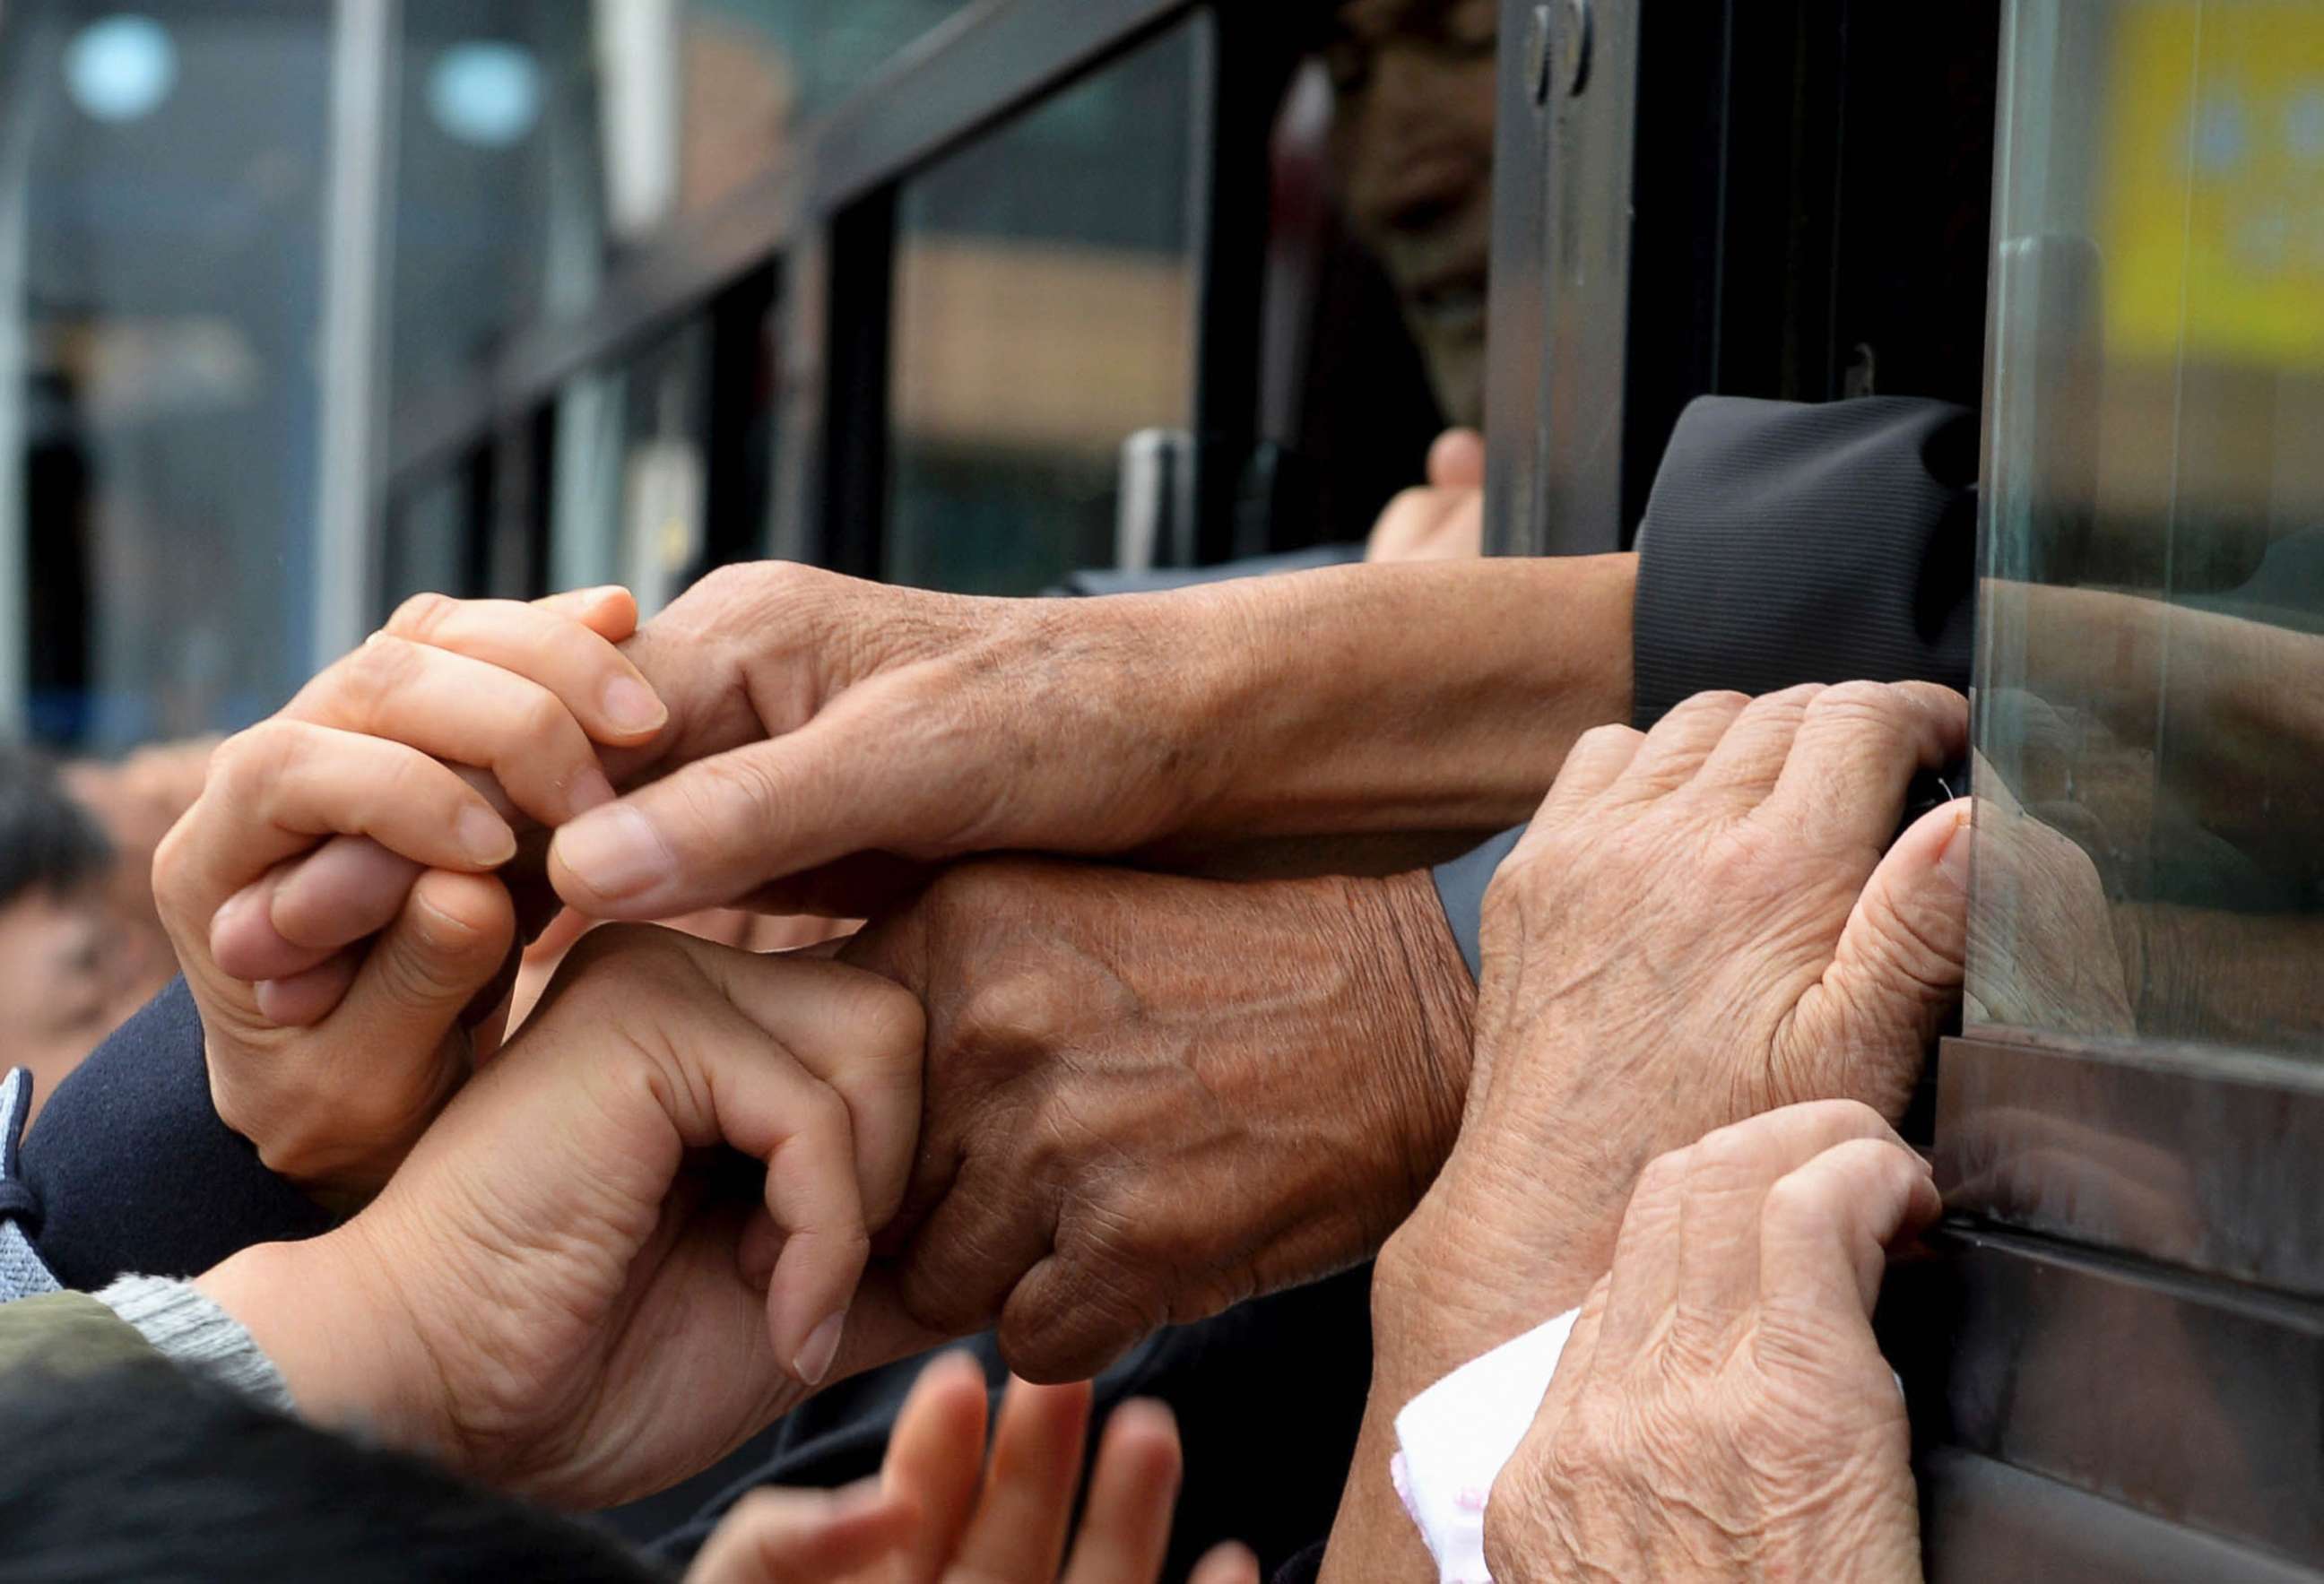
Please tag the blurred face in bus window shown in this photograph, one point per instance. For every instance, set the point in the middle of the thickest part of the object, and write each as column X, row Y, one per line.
column 1413, row 143
column 62, row 991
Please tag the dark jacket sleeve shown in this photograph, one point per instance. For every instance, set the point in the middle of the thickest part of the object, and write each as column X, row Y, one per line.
column 1786, row 543
column 132, row 1171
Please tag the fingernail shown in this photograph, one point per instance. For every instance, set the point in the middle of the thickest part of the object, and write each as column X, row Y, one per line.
column 589, row 790
column 631, row 706
column 615, row 851
column 485, row 837
column 1954, row 864
column 814, row 1361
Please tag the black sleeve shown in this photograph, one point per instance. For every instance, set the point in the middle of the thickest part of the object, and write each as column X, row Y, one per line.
column 1787, row 543
column 133, row 1170
column 1460, row 889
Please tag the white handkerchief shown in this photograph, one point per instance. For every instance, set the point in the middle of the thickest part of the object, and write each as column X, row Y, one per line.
column 1453, row 1439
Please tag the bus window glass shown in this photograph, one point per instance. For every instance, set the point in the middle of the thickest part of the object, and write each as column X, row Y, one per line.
column 2151, row 846
column 538, row 139
column 430, row 543
column 161, row 185
column 630, row 490
column 1044, row 301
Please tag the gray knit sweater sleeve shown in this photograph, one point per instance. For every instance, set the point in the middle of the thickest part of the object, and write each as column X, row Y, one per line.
column 195, row 1334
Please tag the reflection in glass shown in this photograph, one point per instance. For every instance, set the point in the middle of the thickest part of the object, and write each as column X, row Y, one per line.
column 1045, row 294
column 2151, row 861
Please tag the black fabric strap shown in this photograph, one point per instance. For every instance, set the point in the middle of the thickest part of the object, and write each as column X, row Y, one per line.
column 1786, row 543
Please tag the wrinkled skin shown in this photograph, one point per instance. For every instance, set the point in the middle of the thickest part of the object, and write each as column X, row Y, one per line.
column 1723, row 1410
column 1151, row 1098
column 1699, row 926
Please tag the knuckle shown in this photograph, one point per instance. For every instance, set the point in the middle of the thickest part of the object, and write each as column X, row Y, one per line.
column 251, row 762
column 1717, row 700
column 744, row 778
column 886, row 1018
column 822, row 1111
column 172, row 866
column 1736, row 862
column 1724, row 1156
column 1109, row 1301
column 543, row 721
column 1603, row 737
column 1796, row 1204
column 617, row 946
column 1011, row 1012
column 738, row 579
column 377, row 672
column 1664, row 1175
column 427, row 971
column 422, row 616
column 1865, row 701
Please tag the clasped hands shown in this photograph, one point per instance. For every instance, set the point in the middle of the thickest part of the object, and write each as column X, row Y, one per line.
column 1111, row 1140
column 347, row 893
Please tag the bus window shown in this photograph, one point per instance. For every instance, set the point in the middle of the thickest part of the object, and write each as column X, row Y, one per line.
column 2153, row 864
column 538, row 140
column 161, row 241
column 1044, row 313
column 630, row 492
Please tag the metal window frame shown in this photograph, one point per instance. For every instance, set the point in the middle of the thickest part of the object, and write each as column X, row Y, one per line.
column 826, row 218
column 1630, row 154
column 1648, row 147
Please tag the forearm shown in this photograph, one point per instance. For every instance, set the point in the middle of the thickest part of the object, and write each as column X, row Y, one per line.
column 319, row 1310
column 1463, row 1277
column 1401, row 698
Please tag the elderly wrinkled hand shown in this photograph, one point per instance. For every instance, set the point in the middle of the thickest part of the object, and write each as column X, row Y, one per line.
column 830, row 739
column 1150, row 1097
column 1700, row 926
column 1723, row 1410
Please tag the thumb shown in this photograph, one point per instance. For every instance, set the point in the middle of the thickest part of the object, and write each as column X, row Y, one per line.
column 1457, row 461
column 722, row 827
column 610, row 611
column 1897, row 973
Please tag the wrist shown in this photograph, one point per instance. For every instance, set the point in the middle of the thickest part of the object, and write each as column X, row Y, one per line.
column 1428, row 1072
column 1435, row 697
column 327, row 1317
column 1498, row 1247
